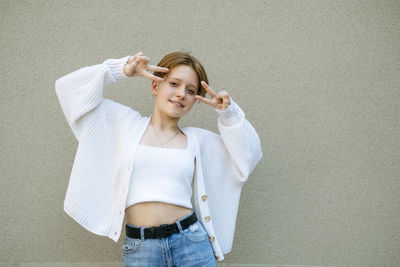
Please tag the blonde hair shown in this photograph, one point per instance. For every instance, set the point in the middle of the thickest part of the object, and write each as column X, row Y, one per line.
column 183, row 58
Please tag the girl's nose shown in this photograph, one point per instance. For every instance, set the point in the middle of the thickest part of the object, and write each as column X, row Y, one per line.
column 180, row 91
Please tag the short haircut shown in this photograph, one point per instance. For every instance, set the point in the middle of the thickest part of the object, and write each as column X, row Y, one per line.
column 183, row 58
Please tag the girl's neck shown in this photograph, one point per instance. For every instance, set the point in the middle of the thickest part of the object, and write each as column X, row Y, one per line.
column 163, row 124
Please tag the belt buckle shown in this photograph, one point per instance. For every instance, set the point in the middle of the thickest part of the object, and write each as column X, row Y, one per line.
column 165, row 229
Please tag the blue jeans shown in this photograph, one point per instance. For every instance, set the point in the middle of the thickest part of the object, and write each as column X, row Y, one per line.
column 189, row 247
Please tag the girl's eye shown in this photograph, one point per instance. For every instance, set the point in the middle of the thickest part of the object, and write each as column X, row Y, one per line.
column 191, row 92
column 173, row 83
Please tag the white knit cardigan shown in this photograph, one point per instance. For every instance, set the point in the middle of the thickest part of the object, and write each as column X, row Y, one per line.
column 108, row 133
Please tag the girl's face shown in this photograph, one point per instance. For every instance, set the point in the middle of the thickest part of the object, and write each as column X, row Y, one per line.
column 176, row 95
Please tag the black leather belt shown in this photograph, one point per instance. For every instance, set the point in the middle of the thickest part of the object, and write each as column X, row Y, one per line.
column 164, row 230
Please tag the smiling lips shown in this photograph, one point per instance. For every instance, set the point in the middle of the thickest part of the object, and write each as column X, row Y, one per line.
column 177, row 103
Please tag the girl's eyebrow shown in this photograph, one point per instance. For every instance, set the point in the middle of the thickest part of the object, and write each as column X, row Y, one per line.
column 181, row 80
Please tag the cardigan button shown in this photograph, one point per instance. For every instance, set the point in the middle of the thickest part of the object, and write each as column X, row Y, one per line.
column 212, row 238
column 207, row 218
column 204, row 197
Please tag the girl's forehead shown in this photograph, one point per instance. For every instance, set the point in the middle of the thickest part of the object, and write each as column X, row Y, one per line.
column 182, row 69
column 184, row 73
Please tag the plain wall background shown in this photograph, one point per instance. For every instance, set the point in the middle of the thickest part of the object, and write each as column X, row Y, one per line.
column 319, row 80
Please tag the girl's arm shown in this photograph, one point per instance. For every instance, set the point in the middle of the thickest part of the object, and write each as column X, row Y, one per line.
column 240, row 139
column 238, row 135
column 81, row 92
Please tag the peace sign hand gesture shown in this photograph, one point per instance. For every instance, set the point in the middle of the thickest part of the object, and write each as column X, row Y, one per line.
column 137, row 65
column 219, row 101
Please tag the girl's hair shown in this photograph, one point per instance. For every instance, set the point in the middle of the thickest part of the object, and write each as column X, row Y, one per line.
column 183, row 58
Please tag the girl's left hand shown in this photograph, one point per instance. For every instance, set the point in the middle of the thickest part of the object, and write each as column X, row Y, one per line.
column 219, row 101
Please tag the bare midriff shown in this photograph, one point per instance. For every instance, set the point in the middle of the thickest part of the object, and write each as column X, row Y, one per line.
column 154, row 213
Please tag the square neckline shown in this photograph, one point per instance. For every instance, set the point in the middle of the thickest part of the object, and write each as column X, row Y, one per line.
column 163, row 148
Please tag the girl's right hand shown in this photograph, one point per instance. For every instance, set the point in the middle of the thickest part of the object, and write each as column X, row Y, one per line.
column 137, row 65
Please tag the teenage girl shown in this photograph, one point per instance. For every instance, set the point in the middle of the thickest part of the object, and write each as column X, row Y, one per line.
column 162, row 227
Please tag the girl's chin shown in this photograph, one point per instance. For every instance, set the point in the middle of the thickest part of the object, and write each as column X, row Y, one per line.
column 178, row 114
column 172, row 113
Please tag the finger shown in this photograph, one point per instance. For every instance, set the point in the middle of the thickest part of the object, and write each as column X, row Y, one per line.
column 139, row 53
column 223, row 94
column 217, row 101
column 208, row 89
column 138, row 58
column 131, row 59
column 152, row 77
column 225, row 101
column 157, row 68
column 143, row 58
column 204, row 100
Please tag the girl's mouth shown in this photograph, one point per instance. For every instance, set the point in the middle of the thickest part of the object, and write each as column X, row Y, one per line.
column 176, row 104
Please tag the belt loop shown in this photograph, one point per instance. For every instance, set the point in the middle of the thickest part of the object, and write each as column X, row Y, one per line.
column 142, row 233
column 178, row 223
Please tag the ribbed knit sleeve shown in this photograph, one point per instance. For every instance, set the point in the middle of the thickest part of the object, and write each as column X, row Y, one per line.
column 240, row 138
column 81, row 91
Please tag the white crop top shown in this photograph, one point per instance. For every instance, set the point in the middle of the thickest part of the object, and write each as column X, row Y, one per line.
column 162, row 174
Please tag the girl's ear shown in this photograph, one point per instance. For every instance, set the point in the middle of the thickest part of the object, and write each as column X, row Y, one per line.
column 153, row 87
